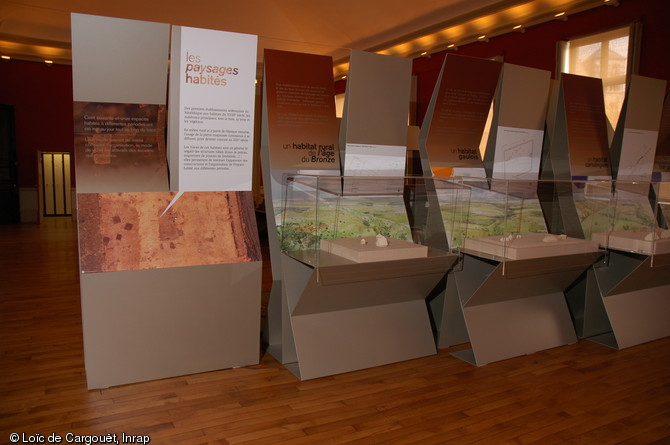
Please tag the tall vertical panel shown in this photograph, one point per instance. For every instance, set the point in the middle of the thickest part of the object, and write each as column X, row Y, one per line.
column 212, row 83
column 634, row 145
column 580, row 152
column 374, row 123
column 515, row 145
column 164, row 292
column 456, row 117
column 580, row 147
column 299, row 135
column 119, row 71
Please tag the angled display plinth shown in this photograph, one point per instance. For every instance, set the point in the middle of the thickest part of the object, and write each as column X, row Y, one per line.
column 355, row 281
column 626, row 298
column 511, row 281
column 623, row 301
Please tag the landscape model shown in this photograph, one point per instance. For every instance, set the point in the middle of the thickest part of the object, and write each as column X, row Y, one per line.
column 645, row 241
column 529, row 245
column 373, row 248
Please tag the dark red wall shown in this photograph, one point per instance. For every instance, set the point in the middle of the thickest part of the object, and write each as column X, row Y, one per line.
column 537, row 46
column 42, row 100
column 42, row 96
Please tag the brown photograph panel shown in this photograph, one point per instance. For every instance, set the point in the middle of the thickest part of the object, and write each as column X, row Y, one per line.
column 125, row 231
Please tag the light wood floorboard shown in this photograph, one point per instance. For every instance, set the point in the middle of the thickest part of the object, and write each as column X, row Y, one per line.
column 583, row 393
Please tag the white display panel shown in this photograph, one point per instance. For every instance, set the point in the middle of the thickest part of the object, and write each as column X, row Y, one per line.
column 518, row 153
column 374, row 160
column 212, row 94
column 637, row 154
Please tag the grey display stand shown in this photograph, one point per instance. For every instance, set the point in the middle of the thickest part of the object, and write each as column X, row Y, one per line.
column 445, row 308
column 346, row 316
column 513, row 308
column 626, row 301
column 151, row 324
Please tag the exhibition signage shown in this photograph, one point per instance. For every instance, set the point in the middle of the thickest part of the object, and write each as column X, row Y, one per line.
column 518, row 126
column 634, row 146
column 633, row 151
column 212, row 97
column 457, row 115
column 514, row 148
column 300, row 104
column 582, row 116
column 580, row 152
column 119, row 107
column 300, row 128
column 374, row 123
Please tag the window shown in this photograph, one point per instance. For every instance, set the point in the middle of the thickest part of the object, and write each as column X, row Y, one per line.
column 606, row 55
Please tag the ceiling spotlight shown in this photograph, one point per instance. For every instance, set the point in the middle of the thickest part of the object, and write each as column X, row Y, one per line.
column 611, row 2
column 452, row 47
column 482, row 38
column 425, row 54
column 49, row 62
column 519, row 28
column 561, row 16
column 6, row 58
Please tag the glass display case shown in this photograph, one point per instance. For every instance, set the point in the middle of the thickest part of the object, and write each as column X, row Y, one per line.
column 505, row 220
column 375, row 223
column 635, row 222
column 357, row 267
column 519, row 253
column 622, row 300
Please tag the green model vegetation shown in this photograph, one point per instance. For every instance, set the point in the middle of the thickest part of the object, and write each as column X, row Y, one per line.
column 305, row 222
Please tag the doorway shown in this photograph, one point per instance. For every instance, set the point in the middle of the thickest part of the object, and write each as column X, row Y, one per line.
column 9, row 192
column 55, row 184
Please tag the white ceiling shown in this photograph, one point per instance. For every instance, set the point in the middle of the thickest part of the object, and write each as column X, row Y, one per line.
column 39, row 29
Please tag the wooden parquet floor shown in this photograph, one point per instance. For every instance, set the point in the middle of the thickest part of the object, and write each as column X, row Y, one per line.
column 583, row 393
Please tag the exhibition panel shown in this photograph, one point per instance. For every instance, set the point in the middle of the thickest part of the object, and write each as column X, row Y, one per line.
column 170, row 270
column 299, row 133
